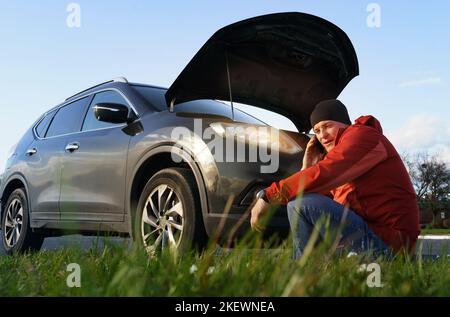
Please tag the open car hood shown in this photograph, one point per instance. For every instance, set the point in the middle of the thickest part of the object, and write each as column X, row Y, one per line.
column 283, row 62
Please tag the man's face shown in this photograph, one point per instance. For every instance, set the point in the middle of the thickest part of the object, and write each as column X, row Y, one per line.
column 326, row 132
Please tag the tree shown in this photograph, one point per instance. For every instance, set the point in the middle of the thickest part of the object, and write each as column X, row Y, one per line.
column 430, row 177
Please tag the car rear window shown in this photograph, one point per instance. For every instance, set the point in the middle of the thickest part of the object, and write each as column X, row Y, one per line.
column 156, row 97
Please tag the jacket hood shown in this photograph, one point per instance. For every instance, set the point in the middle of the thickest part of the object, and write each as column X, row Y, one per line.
column 283, row 62
column 370, row 121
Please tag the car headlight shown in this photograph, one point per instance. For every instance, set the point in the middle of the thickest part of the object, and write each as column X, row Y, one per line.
column 257, row 136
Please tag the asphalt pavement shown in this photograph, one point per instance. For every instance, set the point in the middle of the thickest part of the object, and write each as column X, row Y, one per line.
column 431, row 246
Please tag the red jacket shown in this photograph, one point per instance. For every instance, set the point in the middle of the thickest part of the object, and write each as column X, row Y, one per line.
column 365, row 173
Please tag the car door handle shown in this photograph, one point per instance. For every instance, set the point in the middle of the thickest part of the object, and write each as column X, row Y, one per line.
column 31, row 152
column 72, row 147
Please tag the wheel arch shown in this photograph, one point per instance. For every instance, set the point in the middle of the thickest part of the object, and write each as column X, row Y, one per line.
column 155, row 160
column 14, row 182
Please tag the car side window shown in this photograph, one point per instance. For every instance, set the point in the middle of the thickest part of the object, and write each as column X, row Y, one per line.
column 68, row 118
column 109, row 96
column 42, row 127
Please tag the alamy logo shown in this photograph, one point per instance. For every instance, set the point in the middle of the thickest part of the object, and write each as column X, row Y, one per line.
column 74, row 18
column 234, row 142
column 374, row 278
column 374, row 17
column 74, row 278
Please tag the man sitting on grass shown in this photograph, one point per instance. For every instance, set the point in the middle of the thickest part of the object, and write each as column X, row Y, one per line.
column 372, row 194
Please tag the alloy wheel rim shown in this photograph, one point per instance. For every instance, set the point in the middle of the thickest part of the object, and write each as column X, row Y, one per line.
column 162, row 221
column 13, row 223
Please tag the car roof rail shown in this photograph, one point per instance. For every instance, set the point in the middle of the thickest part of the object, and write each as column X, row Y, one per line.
column 120, row 80
column 115, row 80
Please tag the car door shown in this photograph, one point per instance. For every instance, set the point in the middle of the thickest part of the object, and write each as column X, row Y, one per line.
column 94, row 167
column 44, row 158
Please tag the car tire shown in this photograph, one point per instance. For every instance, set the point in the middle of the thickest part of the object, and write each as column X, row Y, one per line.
column 169, row 213
column 17, row 235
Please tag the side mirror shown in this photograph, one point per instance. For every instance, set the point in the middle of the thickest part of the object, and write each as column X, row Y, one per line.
column 111, row 112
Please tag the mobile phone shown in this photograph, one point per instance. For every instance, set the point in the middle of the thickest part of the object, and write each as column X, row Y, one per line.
column 319, row 145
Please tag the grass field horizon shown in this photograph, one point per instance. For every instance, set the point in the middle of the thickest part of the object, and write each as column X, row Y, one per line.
column 246, row 271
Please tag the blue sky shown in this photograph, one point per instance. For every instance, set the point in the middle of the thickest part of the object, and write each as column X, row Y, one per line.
column 404, row 64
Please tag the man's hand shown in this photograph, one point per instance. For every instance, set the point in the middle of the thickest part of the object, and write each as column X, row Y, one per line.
column 312, row 154
column 258, row 211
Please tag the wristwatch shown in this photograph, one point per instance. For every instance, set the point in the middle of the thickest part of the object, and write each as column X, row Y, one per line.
column 262, row 195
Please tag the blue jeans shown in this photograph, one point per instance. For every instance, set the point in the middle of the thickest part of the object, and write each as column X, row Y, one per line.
column 355, row 235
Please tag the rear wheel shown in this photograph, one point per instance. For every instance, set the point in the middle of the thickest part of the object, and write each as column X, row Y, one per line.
column 17, row 236
column 169, row 214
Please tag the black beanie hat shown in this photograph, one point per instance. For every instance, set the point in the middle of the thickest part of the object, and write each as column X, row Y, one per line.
column 330, row 109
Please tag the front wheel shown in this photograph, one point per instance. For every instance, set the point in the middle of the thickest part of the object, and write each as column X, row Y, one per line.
column 169, row 214
column 17, row 236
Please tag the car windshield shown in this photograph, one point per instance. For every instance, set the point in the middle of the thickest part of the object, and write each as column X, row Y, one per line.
column 156, row 97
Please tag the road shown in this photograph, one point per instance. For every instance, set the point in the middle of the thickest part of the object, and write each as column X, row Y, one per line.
column 431, row 246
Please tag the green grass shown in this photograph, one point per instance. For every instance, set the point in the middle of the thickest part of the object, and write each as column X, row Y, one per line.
column 435, row 231
column 116, row 270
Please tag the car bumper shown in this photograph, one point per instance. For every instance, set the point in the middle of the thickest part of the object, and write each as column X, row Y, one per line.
column 234, row 226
